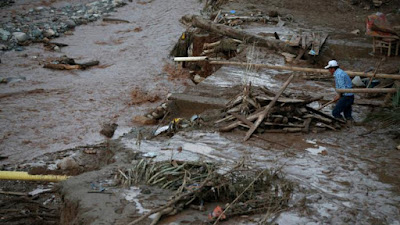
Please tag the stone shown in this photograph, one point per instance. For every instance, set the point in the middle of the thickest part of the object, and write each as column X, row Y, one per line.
column 49, row 33
column 356, row 32
column 109, row 129
column 398, row 147
column 67, row 163
column 4, row 34
column 20, row 36
column 70, row 24
column 36, row 33
column 197, row 78
column 57, row 49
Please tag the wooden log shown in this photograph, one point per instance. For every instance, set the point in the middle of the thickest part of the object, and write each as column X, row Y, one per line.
column 224, row 30
column 367, row 90
column 267, row 109
column 282, row 125
column 191, row 59
column 302, row 69
column 292, row 129
column 326, row 104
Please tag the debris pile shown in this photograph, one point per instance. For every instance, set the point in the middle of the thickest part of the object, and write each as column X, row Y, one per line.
column 247, row 190
column 287, row 115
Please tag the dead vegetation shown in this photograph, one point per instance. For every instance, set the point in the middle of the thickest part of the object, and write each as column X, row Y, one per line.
column 248, row 190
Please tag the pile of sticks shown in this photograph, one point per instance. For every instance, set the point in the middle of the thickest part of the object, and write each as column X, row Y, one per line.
column 275, row 113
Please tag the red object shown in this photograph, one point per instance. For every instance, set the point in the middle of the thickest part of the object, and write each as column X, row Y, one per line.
column 216, row 213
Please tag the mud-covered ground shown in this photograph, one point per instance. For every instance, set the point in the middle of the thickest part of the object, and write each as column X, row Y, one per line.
column 355, row 180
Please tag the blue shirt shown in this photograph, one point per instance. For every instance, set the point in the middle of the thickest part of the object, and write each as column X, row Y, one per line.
column 342, row 81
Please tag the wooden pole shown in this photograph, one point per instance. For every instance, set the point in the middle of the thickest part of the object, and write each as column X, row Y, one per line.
column 367, row 90
column 376, row 70
column 302, row 69
column 326, row 104
column 267, row 109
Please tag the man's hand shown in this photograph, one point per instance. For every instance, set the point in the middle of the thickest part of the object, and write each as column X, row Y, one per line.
column 337, row 97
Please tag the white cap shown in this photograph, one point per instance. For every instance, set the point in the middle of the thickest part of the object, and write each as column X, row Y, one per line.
column 332, row 63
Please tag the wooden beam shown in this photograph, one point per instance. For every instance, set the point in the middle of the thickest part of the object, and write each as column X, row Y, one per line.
column 367, row 90
column 302, row 69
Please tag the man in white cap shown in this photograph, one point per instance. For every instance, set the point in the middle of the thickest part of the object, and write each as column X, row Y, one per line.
column 344, row 100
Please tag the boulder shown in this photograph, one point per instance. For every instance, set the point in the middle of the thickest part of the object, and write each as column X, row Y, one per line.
column 20, row 36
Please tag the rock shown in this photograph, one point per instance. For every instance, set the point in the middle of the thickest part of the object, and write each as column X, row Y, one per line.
column 20, row 36
column 197, row 78
column 39, row 8
column 109, row 129
column 49, row 33
column 145, row 191
column 57, row 49
column 398, row 147
column 144, row 120
column 67, row 163
column 356, row 32
column 4, row 35
column 36, row 33
column 70, row 24
column 3, row 47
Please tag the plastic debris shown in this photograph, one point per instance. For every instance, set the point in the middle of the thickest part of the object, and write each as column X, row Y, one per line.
column 216, row 213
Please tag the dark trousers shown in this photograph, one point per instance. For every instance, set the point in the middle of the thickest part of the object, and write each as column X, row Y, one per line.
column 344, row 105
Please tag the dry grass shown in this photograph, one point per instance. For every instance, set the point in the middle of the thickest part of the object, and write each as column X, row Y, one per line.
column 176, row 72
column 139, row 96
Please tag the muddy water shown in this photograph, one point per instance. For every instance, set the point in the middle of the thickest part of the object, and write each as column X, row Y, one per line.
column 74, row 104
column 335, row 173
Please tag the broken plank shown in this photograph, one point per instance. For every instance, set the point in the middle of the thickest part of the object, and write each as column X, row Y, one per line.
column 283, row 125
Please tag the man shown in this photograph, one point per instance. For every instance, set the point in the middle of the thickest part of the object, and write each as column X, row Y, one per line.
column 344, row 100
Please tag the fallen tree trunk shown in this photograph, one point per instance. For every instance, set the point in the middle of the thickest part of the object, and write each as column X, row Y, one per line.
column 224, row 30
column 301, row 69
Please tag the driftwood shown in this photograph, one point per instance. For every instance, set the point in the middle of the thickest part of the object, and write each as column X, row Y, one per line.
column 267, row 109
column 88, row 64
column 373, row 76
column 301, row 69
column 224, row 30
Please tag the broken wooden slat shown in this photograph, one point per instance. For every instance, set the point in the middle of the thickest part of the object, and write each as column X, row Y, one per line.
column 61, row 66
column 267, row 109
column 292, row 129
column 324, row 115
column 283, row 125
column 107, row 19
